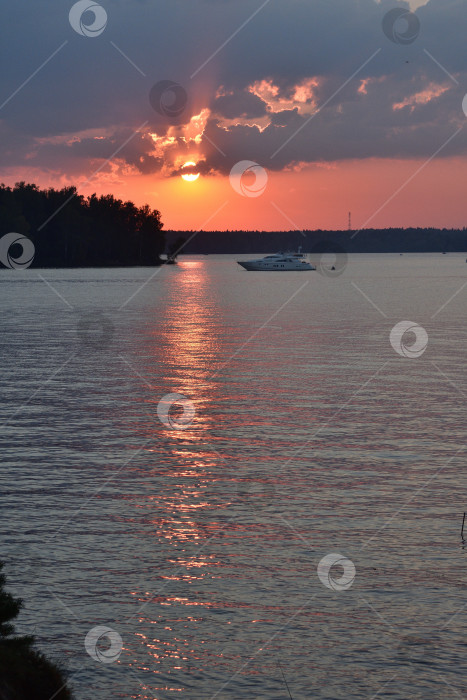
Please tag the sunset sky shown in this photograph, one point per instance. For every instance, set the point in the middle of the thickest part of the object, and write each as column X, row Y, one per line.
column 387, row 140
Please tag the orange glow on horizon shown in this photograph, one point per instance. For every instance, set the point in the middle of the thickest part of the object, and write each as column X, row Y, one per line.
column 311, row 196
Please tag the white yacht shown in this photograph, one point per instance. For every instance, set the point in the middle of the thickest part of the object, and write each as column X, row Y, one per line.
column 280, row 262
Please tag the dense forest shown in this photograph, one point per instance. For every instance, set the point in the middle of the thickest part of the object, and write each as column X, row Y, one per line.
column 69, row 230
column 389, row 240
column 24, row 671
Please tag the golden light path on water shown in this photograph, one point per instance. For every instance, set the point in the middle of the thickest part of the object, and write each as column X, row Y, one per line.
column 189, row 352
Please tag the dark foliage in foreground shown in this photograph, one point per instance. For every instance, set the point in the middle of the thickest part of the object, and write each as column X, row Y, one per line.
column 69, row 230
column 25, row 674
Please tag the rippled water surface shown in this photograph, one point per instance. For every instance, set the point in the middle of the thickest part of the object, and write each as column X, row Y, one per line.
column 200, row 546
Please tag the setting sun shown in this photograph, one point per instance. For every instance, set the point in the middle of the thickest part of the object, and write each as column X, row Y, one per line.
column 189, row 177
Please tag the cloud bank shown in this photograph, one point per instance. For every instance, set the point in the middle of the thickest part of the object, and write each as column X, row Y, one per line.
column 287, row 84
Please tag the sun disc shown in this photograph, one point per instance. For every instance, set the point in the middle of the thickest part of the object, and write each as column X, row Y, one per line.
column 189, row 177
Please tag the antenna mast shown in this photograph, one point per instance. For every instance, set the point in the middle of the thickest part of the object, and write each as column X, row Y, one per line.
column 350, row 221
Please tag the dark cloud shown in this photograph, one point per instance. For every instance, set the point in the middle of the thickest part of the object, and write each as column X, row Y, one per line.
column 287, row 117
column 137, row 151
column 239, row 104
column 101, row 85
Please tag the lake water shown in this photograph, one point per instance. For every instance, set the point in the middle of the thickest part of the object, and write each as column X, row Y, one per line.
column 200, row 546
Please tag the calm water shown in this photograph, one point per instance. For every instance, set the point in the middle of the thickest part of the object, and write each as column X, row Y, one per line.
column 200, row 546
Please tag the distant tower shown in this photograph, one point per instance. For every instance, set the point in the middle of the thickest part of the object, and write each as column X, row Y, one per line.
column 350, row 221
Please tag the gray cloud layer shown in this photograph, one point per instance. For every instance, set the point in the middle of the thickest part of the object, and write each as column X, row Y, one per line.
column 90, row 88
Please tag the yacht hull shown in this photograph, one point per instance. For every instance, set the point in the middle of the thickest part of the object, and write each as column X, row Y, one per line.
column 257, row 267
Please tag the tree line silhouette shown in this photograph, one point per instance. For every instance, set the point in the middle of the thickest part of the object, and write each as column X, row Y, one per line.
column 388, row 240
column 70, row 230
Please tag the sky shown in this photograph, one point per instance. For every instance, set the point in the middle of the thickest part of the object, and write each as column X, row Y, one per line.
column 293, row 112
